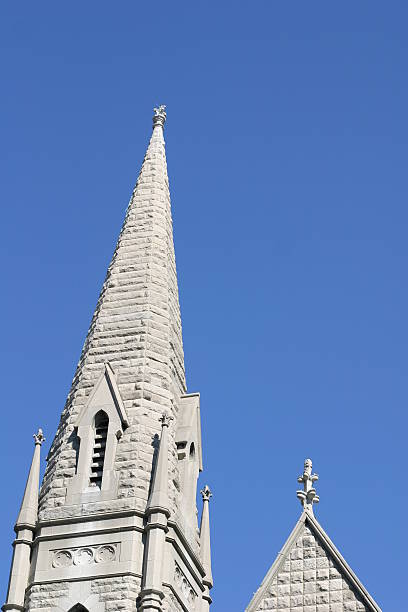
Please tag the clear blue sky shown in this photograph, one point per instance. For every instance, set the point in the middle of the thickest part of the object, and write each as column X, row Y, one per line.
column 287, row 153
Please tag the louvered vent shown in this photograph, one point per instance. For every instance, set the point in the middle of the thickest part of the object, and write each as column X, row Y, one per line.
column 98, row 453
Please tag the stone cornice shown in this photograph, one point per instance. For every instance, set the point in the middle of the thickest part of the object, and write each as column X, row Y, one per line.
column 91, row 518
column 83, row 578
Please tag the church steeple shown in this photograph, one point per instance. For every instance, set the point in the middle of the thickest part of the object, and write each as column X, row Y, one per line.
column 136, row 326
column 99, row 472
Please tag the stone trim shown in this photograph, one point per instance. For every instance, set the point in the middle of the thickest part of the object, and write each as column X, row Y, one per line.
column 95, row 553
column 177, row 596
column 50, row 538
column 90, row 518
column 180, row 579
column 85, row 578
column 109, row 374
column 187, row 547
column 122, row 514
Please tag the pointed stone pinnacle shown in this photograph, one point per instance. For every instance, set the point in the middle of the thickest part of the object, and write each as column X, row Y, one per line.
column 205, row 540
column 159, row 117
column 39, row 437
column 308, row 496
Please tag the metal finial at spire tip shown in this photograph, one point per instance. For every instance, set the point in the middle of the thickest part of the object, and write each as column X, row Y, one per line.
column 39, row 437
column 308, row 496
column 159, row 117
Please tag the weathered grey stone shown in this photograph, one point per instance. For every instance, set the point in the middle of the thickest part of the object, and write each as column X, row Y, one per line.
column 114, row 517
column 310, row 575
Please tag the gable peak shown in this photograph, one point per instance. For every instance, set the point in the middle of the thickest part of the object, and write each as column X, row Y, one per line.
column 106, row 396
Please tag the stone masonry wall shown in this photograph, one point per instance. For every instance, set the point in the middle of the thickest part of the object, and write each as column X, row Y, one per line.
column 119, row 594
column 310, row 581
column 137, row 328
column 45, row 597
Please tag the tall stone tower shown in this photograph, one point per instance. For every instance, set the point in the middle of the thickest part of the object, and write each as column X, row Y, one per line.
column 115, row 525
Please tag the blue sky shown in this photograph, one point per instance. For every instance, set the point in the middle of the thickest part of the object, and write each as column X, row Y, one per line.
column 287, row 154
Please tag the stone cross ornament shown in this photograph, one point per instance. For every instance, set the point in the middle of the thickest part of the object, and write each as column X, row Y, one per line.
column 308, row 496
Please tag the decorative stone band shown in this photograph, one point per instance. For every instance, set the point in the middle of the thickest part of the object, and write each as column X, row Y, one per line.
column 22, row 541
column 85, row 555
column 184, row 588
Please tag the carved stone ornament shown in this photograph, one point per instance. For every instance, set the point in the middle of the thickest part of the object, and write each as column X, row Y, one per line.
column 308, row 496
column 184, row 588
column 39, row 437
column 165, row 419
column 85, row 555
column 206, row 493
column 159, row 117
column 62, row 558
column 104, row 554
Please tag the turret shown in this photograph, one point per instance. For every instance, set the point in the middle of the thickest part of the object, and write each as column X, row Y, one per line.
column 157, row 514
column 24, row 528
column 205, row 544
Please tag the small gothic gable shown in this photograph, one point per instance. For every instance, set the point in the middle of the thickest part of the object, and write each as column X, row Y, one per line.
column 105, row 396
column 310, row 574
column 99, row 427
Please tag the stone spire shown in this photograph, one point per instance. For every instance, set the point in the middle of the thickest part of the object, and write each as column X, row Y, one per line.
column 159, row 498
column 25, row 527
column 29, row 506
column 308, row 496
column 205, row 543
column 136, row 327
column 157, row 512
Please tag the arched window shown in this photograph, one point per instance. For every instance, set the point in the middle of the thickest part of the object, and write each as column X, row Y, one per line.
column 78, row 608
column 192, row 450
column 101, row 424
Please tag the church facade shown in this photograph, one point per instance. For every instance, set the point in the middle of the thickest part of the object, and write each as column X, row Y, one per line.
column 115, row 526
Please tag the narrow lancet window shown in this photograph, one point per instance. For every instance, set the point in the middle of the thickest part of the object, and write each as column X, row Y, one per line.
column 101, row 424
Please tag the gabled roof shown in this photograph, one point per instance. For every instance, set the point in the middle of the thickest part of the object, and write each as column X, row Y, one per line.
column 103, row 394
column 283, row 585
